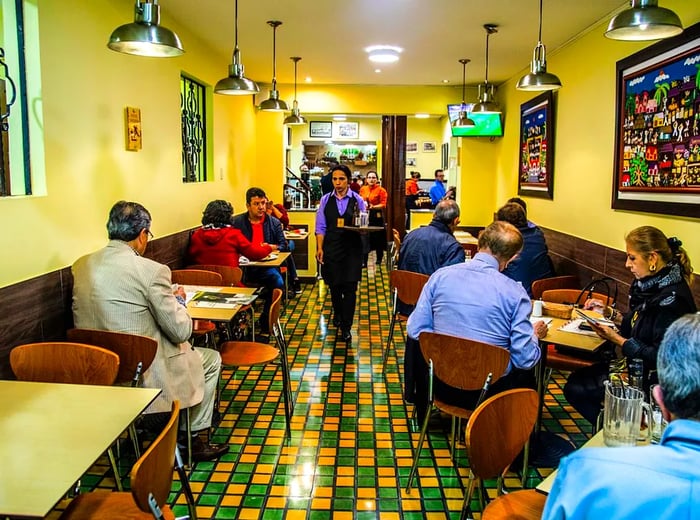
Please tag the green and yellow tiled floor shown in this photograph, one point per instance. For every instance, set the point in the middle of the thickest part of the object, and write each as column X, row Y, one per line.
column 351, row 449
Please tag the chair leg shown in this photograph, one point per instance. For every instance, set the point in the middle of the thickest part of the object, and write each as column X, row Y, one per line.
column 115, row 469
column 135, row 440
column 466, row 504
column 188, row 432
column 388, row 342
column 416, row 456
column 526, row 463
column 185, row 483
column 286, row 384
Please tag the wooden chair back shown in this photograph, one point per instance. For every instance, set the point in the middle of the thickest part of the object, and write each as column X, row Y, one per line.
column 498, row 430
column 153, row 472
column 132, row 349
column 463, row 363
column 555, row 282
column 408, row 285
column 573, row 296
column 64, row 362
column 196, row 277
column 230, row 276
column 397, row 244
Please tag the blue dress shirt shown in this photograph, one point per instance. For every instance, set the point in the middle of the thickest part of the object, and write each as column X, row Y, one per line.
column 437, row 192
column 658, row 481
column 474, row 300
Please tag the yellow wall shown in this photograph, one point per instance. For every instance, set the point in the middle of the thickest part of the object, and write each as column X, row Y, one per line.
column 584, row 142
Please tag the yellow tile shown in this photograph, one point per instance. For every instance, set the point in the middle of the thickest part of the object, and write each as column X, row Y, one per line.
column 366, row 492
column 345, row 470
column 231, row 500
column 321, row 503
column 249, row 514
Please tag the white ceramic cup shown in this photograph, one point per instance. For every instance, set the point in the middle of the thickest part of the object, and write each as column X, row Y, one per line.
column 537, row 308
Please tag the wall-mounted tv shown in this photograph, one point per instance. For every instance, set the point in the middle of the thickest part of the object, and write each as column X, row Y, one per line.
column 487, row 125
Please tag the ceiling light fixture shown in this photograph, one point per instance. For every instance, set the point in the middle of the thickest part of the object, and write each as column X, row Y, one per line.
column 144, row 36
column 463, row 121
column 295, row 118
column 236, row 84
column 422, row 116
column 538, row 78
column 274, row 103
column 645, row 20
column 339, row 117
column 486, row 104
column 384, row 53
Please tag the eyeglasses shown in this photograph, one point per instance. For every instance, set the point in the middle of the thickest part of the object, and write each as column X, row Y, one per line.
column 148, row 232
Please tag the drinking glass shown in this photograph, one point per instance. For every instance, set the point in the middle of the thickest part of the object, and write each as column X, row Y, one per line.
column 658, row 423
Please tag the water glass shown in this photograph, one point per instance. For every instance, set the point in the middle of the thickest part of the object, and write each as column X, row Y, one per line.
column 364, row 219
column 658, row 423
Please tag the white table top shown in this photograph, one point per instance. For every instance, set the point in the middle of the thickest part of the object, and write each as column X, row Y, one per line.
column 594, row 442
column 53, row 433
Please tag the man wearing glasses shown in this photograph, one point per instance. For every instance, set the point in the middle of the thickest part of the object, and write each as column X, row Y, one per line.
column 117, row 289
column 437, row 191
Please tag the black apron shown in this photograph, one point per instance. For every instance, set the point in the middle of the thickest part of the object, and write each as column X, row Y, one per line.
column 377, row 239
column 342, row 249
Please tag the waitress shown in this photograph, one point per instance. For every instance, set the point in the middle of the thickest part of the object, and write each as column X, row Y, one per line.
column 659, row 295
column 339, row 251
column 375, row 197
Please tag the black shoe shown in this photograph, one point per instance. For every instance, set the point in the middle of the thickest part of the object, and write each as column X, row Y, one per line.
column 336, row 322
column 346, row 335
column 297, row 287
column 202, row 451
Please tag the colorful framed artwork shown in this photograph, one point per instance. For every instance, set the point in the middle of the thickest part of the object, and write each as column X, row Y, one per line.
column 535, row 177
column 321, row 129
column 657, row 140
column 348, row 130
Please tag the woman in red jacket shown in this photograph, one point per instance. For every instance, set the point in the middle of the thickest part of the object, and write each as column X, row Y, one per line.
column 218, row 243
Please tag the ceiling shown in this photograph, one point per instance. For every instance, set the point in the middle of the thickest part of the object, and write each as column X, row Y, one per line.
column 330, row 36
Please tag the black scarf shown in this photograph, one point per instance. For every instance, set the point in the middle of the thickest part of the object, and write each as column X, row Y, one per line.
column 644, row 290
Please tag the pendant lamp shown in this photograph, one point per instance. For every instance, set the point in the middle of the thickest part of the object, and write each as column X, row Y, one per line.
column 463, row 120
column 236, row 84
column 645, row 20
column 145, row 36
column 274, row 103
column 295, row 118
column 486, row 104
column 539, row 78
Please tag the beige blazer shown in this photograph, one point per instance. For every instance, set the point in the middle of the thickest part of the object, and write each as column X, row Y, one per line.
column 116, row 289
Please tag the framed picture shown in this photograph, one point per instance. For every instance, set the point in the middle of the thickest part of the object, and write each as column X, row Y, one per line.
column 411, row 146
column 348, row 130
column 445, row 155
column 410, row 161
column 429, row 147
column 535, row 177
column 321, row 129
column 657, row 131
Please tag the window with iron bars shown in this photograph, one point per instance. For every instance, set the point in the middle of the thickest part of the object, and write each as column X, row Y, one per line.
column 193, row 114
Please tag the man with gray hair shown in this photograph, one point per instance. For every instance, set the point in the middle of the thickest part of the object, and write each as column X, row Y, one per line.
column 117, row 289
column 657, row 481
column 475, row 300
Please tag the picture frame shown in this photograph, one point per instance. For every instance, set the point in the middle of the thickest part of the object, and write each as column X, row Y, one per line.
column 657, row 128
column 410, row 161
column 321, row 129
column 445, row 149
column 411, row 146
column 536, row 158
column 429, row 147
column 348, row 129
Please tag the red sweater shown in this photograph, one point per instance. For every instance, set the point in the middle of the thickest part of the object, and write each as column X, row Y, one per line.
column 222, row 246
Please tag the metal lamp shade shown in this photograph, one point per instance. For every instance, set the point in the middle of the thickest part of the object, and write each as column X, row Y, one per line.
column 236, row 84
column 145, row 37
column 295, row 118
column 538, row 78
column 463, row 121
column 645, row 20
column 274, row 103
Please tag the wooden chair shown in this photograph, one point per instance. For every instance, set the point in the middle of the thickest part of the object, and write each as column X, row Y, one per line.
column 555, row 282
column 573, row 296
column 497, row 431
column 151, row 481
column 230, row 276
column 396, row 249
column 249, row 353
column 405, row 286
column 66, row 362
column 136, row 354
column 200, row 328
column 461, row 363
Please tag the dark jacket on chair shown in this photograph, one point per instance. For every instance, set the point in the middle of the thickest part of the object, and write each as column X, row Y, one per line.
column 533, row 262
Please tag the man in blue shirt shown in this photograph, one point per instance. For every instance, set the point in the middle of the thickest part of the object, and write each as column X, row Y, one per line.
column 437, row 191
column 658, row 481
column 475, row 300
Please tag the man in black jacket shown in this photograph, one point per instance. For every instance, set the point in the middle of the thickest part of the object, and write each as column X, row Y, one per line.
column 261, row 228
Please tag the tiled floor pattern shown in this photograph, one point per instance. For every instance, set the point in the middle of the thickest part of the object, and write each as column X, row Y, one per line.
column 350, row 451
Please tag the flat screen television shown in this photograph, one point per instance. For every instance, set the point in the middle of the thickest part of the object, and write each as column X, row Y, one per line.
column 487, row 125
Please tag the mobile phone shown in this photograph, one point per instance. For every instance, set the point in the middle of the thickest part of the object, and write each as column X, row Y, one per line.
column 591, row 320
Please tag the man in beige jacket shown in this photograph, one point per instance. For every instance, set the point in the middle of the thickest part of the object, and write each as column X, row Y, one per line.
column 117, row 289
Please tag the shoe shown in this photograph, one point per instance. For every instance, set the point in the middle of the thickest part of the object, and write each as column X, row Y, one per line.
column 336, row 322
column 297, row 287
column 202, row 451
column 346, row 335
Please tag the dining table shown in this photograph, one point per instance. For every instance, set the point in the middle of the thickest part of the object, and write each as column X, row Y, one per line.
column 52, row 433
column 219, row 303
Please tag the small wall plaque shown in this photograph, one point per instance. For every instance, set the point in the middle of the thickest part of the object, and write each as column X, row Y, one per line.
column 133, row 129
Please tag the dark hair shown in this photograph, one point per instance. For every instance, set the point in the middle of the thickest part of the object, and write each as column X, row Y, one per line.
column 217, row 213
column 439, row 170
column 520, row 202
column 254, row 192
column 446, row 211
column 342, row 168
column 127, row 220
column 647, row 239
column 502, row 239
column 512, row 213
column 374, row 172
column 678, row 364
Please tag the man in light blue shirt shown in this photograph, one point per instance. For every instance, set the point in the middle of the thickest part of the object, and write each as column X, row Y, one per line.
column 475, row 300
column 437, row 191
column 658, row 481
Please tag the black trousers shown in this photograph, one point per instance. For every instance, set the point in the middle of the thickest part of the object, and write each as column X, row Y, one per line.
column 416, row 377
column 344, row 298
column 585, row 390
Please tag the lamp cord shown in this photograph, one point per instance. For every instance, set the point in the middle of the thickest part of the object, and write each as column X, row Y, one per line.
column 464, row 81
column 539, row 37
column 486, row 78
column 235, row 25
